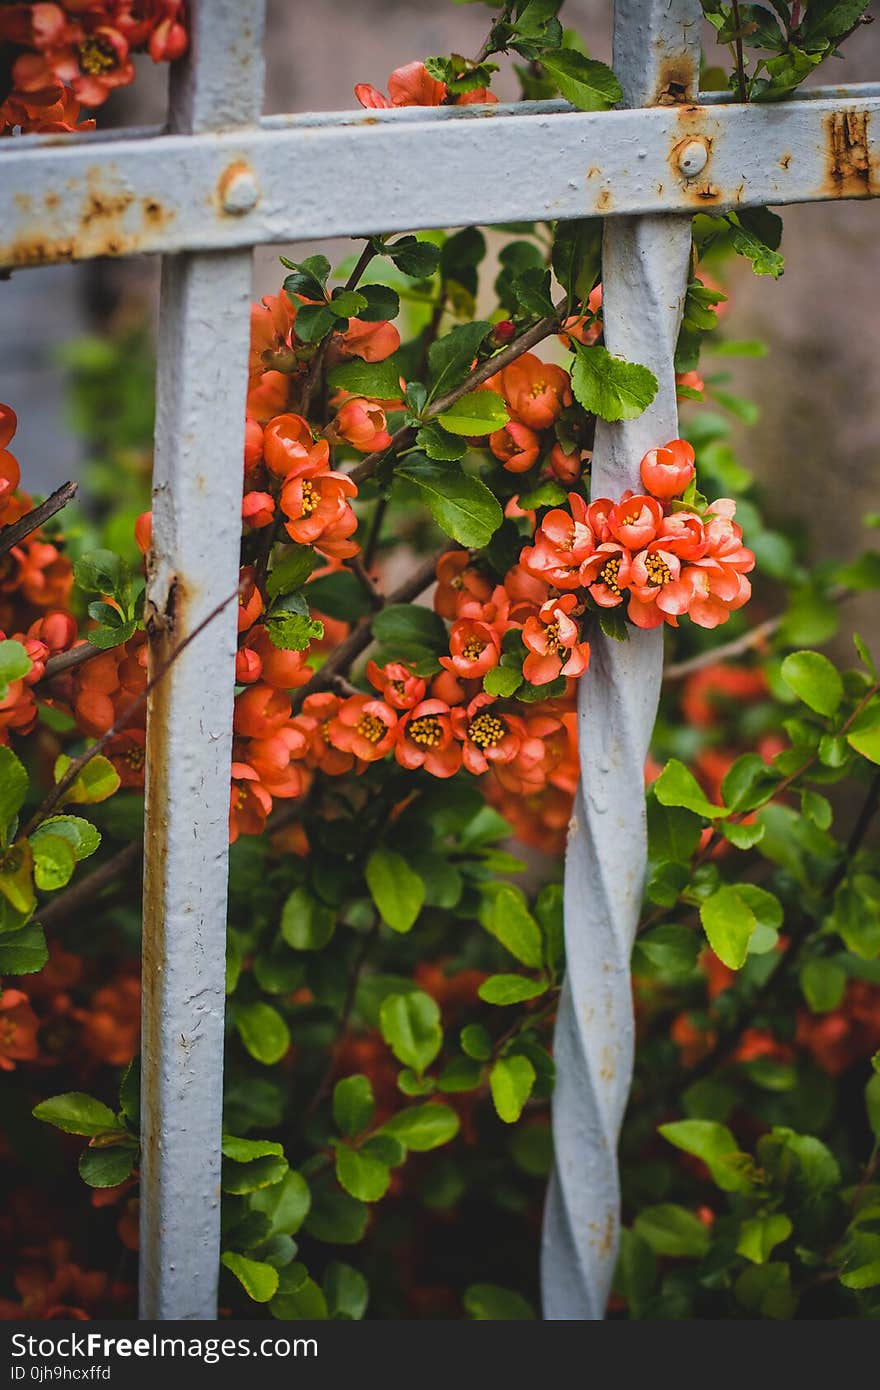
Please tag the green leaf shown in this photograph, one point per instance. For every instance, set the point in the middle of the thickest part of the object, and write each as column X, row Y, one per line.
column 97, row 781
column 103, row 572
column 314, row 322
column 353, row 1105
column 462, row 506
column 76, row 1113
column 257, row 1174
column 362, row 1175
column 547, row 494
column 865, row 1277
column 510, row 1081
column 502, row 681
column 293, row 632
column 715, row 1145
column 872, row 1104
column 397, row 891
column 347, row 304
column 346, row 1291
column 587, row 84
column 424, row 1127
column 24, row 952
column 263, row 1032
column 306, row 923
column 510, row 989
column 285, row 1204
column 246, row 1150
column 672, row 1230
column 671, row 949
column 450, row 357
column 479, row 412
column 258, row 1279
column 492, row 1303
column 293, row 569
column 823, row 983
column 303, row 1303
column 16, row 886
column 14, row 664
column 309, row 276
column 609, row 387
column 577, row 247
column 677, row 786
column 54, row 860
column 748, row 783
column 80, row 833
column 476, row 1042
column 505, row 915
column 728, row 922
column 462, row 1074
column 758, row 1236
column 380, row 381
column 437, row 444
column 866, row 742
column 766, row 1289
column 410, row 623
column 13, row 788
column 673, row 833
column 814, row 680
column 417, row 259
column 107, row 1167
column 410, row 1025
column 764, row 260
column 381, row 303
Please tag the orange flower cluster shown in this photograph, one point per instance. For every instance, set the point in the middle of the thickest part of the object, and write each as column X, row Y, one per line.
column 77, row 52
column 413, row 85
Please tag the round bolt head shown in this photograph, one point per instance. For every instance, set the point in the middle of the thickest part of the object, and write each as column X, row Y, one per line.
column 693, row 158
column 240, row 192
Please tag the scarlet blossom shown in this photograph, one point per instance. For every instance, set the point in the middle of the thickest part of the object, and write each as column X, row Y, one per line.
column 535, row 391
column 249, row 803
column 18, row 1029
column 258, row 509
column 396, row 684
column 372, row 342
column 567, row 466
column 365, row 727
column 525, row 593
column 655, row 588
column 585, row 327
column 290, row 450
column 562, row 542
column 494, row 610
column 552, row 641
column 683, row 533
column 447, row 686
column 361, row 423
column 268, row 397
column 606, row 574
column 250, row 600
column 691, row 381
column 128, row 753
column 168, row 42
column 487, row 736
column 635, row 521
column 8, row 424
column 143, row 532
column 413, row 85
column 666, row 472
column 277, row 761
column 458, row 580
column 714, row 591
column 516, row 445
column 253, row 444
column 248, row 666
column 260, row 711
column 282, row 669
column 319, row 513
column 542, row 746
column 40, row 572
column 315, row 720
column 272, row 336
column 426, row 740
column 474, row 648
column 57, row 630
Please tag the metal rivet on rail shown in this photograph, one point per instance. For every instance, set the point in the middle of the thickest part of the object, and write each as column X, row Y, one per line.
column 693, row 158
column 239, row 191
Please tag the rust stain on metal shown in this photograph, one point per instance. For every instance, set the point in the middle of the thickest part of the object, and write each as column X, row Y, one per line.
column 848, row 155
column 23, row 202
column 676, row 81
column 603, row 202
column 697, row 191
column 103, row 227
column 785, row 161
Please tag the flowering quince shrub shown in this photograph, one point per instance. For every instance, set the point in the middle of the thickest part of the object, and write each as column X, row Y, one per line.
column 424, row 568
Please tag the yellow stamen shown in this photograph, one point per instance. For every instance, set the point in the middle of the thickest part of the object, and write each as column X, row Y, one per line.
column 427, row 731
column 486, row 731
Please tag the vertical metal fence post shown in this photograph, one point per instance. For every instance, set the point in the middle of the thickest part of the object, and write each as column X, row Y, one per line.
column 201, row 387
column 645, row 272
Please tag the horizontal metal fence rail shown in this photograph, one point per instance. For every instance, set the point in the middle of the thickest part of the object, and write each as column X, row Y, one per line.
column 77, row 198
column 221, row 181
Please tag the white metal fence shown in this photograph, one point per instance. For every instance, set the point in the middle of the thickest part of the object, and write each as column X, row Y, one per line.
column 202, row 193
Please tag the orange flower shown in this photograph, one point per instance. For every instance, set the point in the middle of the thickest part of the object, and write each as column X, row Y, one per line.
column 552, row 640
column 361, row 423
column 249, row 803
column 535, row 391
column 426, row 740
column 396, row 684
column 18, row 1029
column 283, row 670
column 516, row 445
column 111, row 1024
column 562, row 542
column 457, row 581
column 315, row 720
column 258, row 509
column 413, row 85
column 666, row 472
column 372, row 342
column 260, row 711
column 290, row 450
column 487, row 736
column 319, row 513
column 474, row 649
column 250, row 600
column 276, row 760
column 365, row 727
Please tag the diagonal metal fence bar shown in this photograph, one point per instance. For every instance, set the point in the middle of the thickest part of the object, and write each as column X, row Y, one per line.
column 197, row 480
column 645, row 263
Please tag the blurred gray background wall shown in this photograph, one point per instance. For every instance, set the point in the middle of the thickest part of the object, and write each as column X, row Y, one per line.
column 818, row 440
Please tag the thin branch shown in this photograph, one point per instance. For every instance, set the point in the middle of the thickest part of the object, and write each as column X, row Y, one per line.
column 403, row 436
column 361, row 636
column 358, row 567
column 740, row 60
column 80, row 894
column 31, row 521
column 371, row 543
column 58, row 791
column 316, row 366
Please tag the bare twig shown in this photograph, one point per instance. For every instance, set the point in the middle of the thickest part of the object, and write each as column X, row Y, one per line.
column 31, row 521
column 740, row 60
column 316, row 366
